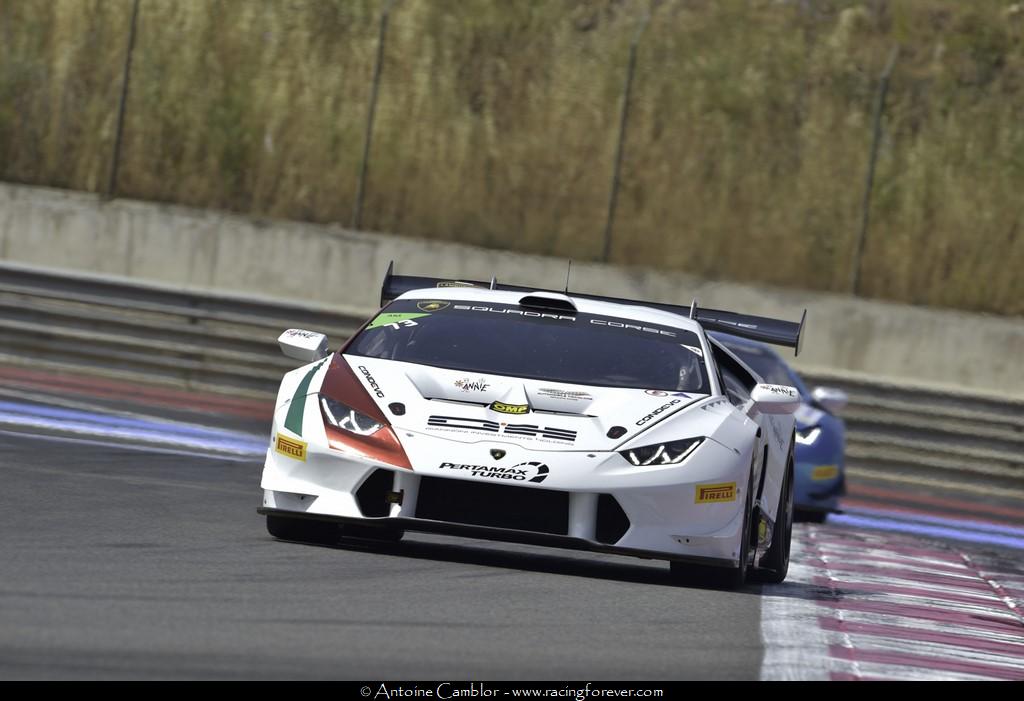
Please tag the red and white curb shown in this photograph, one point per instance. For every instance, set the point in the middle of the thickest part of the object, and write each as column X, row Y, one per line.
column 862, row 605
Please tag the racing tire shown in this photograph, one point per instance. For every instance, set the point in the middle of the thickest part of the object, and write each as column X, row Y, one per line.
column 774, row 564
column 302, row 530
column 807, row 516
column 721, row 577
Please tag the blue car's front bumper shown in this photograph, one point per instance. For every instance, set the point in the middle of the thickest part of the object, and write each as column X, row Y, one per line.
column 820, row 471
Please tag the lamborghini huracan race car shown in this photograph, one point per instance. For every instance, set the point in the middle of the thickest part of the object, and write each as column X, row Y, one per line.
column 516, row 414
column 819, row 477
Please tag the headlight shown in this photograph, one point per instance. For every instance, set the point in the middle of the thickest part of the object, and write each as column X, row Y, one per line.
column 346, row 418
column 806, row 436
column 662, row 453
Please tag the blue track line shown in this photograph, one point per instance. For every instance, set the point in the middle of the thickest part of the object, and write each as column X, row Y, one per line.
column 955, row 530
column 131, row 428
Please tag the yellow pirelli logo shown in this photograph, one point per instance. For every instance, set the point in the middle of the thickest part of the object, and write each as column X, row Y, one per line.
column 711, row 493
column 824, row 472
column 294, row 449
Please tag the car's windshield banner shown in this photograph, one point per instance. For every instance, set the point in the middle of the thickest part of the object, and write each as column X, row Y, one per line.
column 399, row 314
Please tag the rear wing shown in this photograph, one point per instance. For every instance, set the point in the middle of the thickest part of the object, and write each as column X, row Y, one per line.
column 756, row 328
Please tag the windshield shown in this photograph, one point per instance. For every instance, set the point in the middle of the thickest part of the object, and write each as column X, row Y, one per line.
column 557, row 346
column 767, row 364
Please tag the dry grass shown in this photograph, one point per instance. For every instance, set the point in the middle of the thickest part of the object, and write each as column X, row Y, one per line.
column 497, row 122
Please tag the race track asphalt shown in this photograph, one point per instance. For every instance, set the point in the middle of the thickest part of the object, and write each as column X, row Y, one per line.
column 128, row 562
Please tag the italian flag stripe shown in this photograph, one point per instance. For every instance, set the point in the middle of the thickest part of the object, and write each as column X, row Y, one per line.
column 296, row 410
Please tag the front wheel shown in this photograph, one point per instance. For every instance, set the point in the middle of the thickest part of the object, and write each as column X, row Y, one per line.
column 721, row 577
column 775, row 563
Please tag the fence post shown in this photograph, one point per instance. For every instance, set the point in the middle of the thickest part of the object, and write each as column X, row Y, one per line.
column 371, row 112
column 613, row 195
column 869, row 181
column 115, row 159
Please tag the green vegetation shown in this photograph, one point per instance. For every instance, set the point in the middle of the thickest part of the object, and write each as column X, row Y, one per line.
column 497, row 121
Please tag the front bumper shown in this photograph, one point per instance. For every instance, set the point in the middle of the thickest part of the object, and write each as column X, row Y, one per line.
column 818, row 486
column 662, row 513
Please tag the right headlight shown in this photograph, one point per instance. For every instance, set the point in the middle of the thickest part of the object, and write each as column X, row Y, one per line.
column 346, row 418
column 671, row 453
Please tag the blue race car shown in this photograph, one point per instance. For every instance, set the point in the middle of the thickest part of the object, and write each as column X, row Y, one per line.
column 820, row 433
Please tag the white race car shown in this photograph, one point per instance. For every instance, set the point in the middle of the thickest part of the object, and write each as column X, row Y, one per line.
column 570, row 420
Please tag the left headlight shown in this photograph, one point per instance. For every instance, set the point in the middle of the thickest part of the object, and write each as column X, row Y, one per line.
column 346, row 418
column 671, row 453
column 806, row 436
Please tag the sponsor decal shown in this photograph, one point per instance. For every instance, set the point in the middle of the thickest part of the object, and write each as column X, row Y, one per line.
column 715, row 493
column 523, row 472
column 432, row 306
column 633, row 327
column 656, row 393
column 290, row 447
column 468, row 385
column 781, row 390
column 565, row 394
column 455, row 283
column 660, row 410
column 513, row 312
column 503, row 408
column 372, row 382
column 530, row 431
column 395, row 320
column 824, row 472
column 301, row 333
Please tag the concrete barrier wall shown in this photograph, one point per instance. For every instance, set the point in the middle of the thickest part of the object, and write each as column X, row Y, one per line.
column 327, row 265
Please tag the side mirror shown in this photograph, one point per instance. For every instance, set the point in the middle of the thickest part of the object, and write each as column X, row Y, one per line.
column 307, row 346
column 830, row 399
column 775, row 399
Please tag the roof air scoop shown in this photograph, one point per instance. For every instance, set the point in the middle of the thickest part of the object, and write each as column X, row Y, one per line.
column 552, row 301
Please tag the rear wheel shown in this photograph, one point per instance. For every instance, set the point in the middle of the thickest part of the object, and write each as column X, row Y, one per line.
column 303, row 530
column 775, row 563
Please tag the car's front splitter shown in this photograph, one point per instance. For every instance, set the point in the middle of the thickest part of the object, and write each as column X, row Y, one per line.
column 498, row 534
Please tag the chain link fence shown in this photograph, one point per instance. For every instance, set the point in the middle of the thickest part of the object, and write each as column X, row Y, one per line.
column 866, row 147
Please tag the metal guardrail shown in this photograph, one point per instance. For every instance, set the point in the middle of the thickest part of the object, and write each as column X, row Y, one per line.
column 942, row 432
column 195, row 339
column 203, row 339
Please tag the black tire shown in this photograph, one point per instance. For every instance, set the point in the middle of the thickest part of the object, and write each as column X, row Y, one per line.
column 774, row 564
column 806, row 516
column 380, row 534
column 721, row 577
column 303, row 530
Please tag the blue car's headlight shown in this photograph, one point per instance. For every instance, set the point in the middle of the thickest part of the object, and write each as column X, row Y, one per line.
column 807, row 436
column 671, row 453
